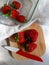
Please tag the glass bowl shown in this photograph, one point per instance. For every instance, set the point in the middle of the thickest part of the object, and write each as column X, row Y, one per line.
column 27, row 9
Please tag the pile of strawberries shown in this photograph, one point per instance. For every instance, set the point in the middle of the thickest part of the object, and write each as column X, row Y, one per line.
column 27, row 39
column 12, row 11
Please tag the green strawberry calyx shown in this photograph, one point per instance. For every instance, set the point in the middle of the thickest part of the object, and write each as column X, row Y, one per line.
column 16, row 38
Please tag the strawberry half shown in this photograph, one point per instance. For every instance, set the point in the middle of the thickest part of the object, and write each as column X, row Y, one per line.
column 21, row 38
column 14, row 13
column 5, row 9
column 16, row 4
column 32, row 47
column 32, row 33
column 20, row 18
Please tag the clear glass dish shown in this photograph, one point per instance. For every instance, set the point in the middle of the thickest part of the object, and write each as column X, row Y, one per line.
column 28, row 8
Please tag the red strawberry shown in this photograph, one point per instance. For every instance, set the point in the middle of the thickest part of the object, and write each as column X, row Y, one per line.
column 14, row 13
column 32, row 46
column 32, row 33
column 20, row 18
column 21, row 38
column 5, row 9
column 16, row 4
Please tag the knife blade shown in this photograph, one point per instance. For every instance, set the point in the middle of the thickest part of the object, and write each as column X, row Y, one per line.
column 23, row 53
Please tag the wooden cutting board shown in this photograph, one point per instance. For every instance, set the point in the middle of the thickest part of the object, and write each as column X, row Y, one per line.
column 39, row 51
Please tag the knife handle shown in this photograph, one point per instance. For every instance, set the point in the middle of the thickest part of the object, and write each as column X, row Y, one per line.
column 25, row 54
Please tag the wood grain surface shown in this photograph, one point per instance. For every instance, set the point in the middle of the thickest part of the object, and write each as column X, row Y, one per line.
column 39, row 51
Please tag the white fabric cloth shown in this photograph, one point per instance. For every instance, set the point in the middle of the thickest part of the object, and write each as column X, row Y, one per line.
column 5, row 31
column 42, row 11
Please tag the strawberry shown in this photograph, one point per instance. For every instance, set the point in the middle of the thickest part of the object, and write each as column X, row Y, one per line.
column 20, row 18
column 5, row 9
column 14, row 13
column 32, row 33
column 21, row 38
column 16, row 4
column 32, row 47
column 27, row 38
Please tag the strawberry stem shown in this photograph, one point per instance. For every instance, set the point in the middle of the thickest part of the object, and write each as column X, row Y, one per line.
column 26, row 47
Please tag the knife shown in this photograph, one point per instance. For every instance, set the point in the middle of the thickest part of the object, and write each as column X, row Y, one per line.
column 23, row 53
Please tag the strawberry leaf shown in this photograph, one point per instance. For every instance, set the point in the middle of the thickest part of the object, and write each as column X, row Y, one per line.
column 5, row 4
column 12, row 5
column 8, row 14
column 16, row 38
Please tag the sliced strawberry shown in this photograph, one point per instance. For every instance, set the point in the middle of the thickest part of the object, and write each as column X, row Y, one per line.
column 32, row 33
column 16, row 4
column 5, row 9
column 32, row 47
column 21, row 38
column 20, row 18
column 14, row 13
